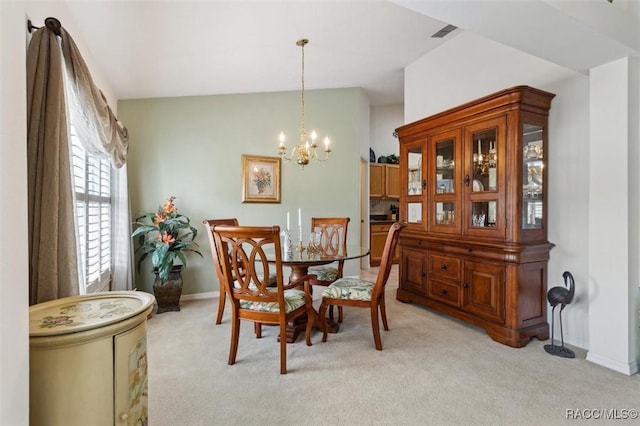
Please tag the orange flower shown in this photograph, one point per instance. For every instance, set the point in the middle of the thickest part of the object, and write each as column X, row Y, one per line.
column 166, row 238
column 169, row 207
column 160, row 217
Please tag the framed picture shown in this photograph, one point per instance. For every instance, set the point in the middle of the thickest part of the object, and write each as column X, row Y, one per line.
column 260, row 179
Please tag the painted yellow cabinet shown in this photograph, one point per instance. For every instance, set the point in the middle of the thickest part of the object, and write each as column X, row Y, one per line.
column 88, row 360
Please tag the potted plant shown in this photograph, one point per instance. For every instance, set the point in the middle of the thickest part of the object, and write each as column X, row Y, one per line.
column 165, row 236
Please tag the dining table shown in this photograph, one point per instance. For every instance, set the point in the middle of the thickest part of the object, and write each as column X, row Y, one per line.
column 299, row 261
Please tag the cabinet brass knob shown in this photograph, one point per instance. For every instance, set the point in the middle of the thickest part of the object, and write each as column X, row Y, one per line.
column 443, row 266
column 424, row 274
column 465, row 285
column 443, row 291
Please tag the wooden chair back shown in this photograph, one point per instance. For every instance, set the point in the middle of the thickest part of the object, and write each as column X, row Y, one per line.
column 333, row 233
column 210, row 223
column 244, row 263
column 387, row 259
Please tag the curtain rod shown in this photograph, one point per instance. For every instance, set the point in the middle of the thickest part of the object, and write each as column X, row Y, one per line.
column 52, row 23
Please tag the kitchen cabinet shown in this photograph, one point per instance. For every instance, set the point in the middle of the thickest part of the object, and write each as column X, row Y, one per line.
column 88, row 360
column 378, row 236
column 474, row 194
column 384, row 181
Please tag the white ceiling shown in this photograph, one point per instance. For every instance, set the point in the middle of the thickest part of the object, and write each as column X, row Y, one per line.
column 181, row 48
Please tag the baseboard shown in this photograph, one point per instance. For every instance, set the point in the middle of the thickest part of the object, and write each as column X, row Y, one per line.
column 628, row 369
column 196, row 296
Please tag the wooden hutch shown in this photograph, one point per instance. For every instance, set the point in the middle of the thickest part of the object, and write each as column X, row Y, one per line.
column 474, row 190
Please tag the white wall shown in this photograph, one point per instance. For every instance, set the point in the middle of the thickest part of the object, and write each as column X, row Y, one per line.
column 14, row 284
column 468, row 67
column 384, row 121
column 613, row 215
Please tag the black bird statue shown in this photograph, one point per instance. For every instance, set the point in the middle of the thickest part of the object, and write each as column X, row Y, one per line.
column 560, row 296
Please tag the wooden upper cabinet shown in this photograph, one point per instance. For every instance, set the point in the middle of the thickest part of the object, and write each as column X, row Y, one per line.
column 384, row 181
column 393, row 181
column 376, row 180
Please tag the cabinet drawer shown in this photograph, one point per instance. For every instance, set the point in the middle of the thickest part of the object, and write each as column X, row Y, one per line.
column 444, row 267
column 379, row 227
column 444, row 292
column 410, row 242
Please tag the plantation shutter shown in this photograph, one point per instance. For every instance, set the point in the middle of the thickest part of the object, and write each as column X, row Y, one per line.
column 92, row 186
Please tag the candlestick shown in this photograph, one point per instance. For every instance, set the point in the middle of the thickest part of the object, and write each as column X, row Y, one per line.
column 288, row 222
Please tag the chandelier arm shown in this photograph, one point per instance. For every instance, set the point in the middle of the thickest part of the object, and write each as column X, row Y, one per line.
column 290, row 157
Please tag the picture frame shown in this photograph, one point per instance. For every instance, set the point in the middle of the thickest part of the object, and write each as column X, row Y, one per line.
column 260, row 179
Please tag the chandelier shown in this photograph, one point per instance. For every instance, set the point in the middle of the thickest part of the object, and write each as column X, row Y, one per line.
column 306, row 149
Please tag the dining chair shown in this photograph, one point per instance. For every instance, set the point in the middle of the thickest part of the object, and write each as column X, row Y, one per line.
column 210, row 223
column 333, row 239
column 361, row 293
column 242, row 251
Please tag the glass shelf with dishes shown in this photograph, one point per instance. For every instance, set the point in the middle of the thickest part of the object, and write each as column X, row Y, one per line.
column 414, row 186
column 532, row 176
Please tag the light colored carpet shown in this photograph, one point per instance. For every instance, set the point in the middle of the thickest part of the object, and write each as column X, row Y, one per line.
column 433, row 370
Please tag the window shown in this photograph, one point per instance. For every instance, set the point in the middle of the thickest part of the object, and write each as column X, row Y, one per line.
column 92, row 185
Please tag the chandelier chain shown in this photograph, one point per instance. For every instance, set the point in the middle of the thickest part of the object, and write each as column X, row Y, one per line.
column 302, row 131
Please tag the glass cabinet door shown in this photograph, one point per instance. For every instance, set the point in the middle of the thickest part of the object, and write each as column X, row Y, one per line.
column 414, row 186
column 444, row 173
column 485, row 178
column 415, row 182
column 485, row 175
column 532, row 176
column 485, row 160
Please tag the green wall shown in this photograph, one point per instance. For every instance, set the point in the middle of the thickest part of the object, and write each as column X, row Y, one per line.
column 191, row 148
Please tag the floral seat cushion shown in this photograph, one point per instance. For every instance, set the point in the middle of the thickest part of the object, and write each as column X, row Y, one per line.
column 293, row 299
column 350, row 289
column 324, row 272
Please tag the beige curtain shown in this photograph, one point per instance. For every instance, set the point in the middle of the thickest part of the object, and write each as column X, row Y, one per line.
column 53, row 264
column 98, row 129
column 53, row 255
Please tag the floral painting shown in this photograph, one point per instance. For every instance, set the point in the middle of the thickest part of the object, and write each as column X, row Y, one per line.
column 260, row 179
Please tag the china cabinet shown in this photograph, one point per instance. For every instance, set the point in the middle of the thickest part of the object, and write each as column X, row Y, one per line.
column 474, row 192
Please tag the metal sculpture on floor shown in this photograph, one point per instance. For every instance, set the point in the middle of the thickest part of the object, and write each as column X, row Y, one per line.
column 560, row 296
